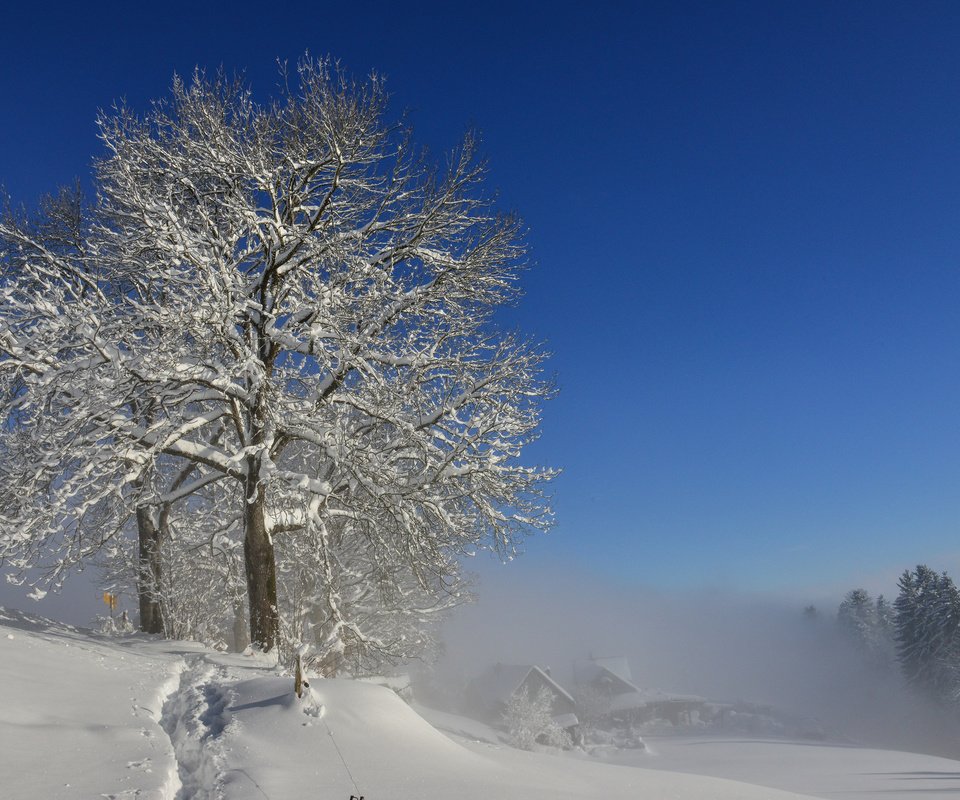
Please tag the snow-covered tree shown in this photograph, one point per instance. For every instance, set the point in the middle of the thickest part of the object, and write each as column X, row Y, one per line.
column 528, row 718
column 868, row 624
column 855, row 616
column 59, row 504
column 198, row 586
column 885, row 623
column 928, row 632
column 304, row 311
column 593, row 708
column 51, row 492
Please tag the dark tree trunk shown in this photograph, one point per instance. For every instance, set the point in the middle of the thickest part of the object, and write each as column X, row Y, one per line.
column 261, row 568
column 150, row 571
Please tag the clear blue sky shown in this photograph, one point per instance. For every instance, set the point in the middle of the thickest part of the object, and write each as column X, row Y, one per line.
column 746, row 218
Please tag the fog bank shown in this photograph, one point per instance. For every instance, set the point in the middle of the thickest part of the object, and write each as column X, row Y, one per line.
column 723, row 645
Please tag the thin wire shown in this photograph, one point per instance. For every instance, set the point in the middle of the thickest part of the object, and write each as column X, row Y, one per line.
column 342, row 759
column 239, row 769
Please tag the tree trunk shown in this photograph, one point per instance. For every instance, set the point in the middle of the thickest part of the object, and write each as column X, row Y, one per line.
column 148, row 578
column 298, row 677
column 261, row 567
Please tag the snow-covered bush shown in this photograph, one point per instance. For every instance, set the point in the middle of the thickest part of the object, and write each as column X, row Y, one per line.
column 529, row 721
column 593, row 710
column 112, row 626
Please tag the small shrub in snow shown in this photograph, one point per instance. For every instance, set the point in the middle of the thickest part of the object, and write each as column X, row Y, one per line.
column 110, row 626
column 529, row 721
column 593, row 710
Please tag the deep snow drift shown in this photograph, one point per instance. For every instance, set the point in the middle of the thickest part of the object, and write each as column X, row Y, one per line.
column 84, row 716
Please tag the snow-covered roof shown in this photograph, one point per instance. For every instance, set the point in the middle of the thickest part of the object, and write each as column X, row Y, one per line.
column 499, row 682
column 614, row 670
column 566, row 720
column 618, row 665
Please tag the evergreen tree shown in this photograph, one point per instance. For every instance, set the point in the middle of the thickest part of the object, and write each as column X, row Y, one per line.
column 868, row 624
column 908, row 622
column 856, row 617
column 884, row 616
column 928, row 632
column 946, row 631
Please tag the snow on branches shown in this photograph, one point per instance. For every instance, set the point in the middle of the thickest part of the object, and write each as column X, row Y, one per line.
column 289, row 299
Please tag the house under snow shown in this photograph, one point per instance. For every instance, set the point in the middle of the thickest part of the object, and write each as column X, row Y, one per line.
column 487, row 695
column 627, row 703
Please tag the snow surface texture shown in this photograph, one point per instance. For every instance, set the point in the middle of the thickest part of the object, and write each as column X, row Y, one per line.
column 83, row 716
column 79, row 714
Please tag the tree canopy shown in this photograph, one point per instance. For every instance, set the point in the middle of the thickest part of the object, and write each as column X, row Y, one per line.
column 287, row 310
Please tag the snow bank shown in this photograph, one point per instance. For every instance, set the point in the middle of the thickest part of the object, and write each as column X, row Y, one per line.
column 79, row 715
column 830, row 770
column 82, row 716
column 368, row 742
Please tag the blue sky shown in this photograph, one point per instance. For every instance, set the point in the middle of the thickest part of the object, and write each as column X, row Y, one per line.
column 745, row 222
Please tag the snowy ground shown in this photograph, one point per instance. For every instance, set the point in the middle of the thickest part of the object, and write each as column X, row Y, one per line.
column 822, row 770
column 83, row 716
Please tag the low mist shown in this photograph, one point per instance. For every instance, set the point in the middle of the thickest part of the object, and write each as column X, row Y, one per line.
column 721, row 645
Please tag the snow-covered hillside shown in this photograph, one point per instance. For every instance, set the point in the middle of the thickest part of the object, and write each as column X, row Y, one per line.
column 84, row 716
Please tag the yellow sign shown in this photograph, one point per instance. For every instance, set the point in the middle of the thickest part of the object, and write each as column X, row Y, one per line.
column 110, row 600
